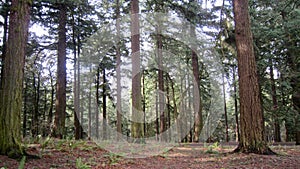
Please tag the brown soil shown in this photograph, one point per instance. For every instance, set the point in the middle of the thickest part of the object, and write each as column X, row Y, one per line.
column 71, row 154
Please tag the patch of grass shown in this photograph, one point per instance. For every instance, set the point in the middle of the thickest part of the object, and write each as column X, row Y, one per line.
column 212, row 148
column 81, row 165
column 113, row 158
column 22, row 163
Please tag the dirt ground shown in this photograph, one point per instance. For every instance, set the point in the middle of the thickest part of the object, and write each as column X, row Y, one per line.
column 84, row 155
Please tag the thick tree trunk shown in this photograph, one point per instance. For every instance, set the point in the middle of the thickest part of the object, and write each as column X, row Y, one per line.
column 60, row 104
column 137, row 114
column 12, row 82
column 197, row 107
column 252, row 123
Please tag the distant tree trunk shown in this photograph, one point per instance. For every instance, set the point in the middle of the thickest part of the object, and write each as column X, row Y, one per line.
column 225, row 112
column 144, row 103
column 294, row 65
column 35, row 119
column 77, row 125
column 90, row 109
column 161, row 99
column 25, row 112
column 12, row 83
column 156, row 114
column 252, row 122
column 60, row 104
column 4, row 37
column 137, row 115
column 168, row 109
column 277, row 137
column 104, row 109
column 236, row 105
column 197, row 107
column 50, row 113
column 118, row 70
column 97, row 102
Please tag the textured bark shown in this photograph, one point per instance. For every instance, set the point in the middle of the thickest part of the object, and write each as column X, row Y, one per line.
column 197, row 107
column 252, row 123
column 12, row 82
column 137, row 114
column 60, row 103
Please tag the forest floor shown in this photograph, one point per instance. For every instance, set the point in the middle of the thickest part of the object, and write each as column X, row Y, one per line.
column 62, row 154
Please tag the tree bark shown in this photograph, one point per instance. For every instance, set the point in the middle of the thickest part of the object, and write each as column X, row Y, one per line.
column 251, row 115
column 137, row 114
column 236, row 105
column 4, row 38
column 60, row 103
column 118, row 70
column 12, row 82
column 197, row 108
column 225, row 111
column 104, row 107
column 277, row 137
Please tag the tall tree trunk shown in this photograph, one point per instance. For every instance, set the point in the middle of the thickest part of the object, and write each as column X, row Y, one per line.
column 50, row 113
column 97, row 102
column 294, row 65
column 252, row 122
column 60, row 103
column 25, row 112
column 197, row 107
column 144, row 103
column 156, row 114
column 225, row 111
column 90, row 110
column 137, row 114
column 161, row 98
column 77, row 125
column 277, row 137
column 237, row 126
column 118, row 70
column 104, row 109
column 35, row 119
column 4, row 38
column 12, row 82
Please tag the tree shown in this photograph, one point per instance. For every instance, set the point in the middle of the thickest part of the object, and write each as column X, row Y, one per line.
column 12, row 83
column 60, row 104
column 5, row 15
column 136, row 127
column 118, row 70
column 251, row 116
